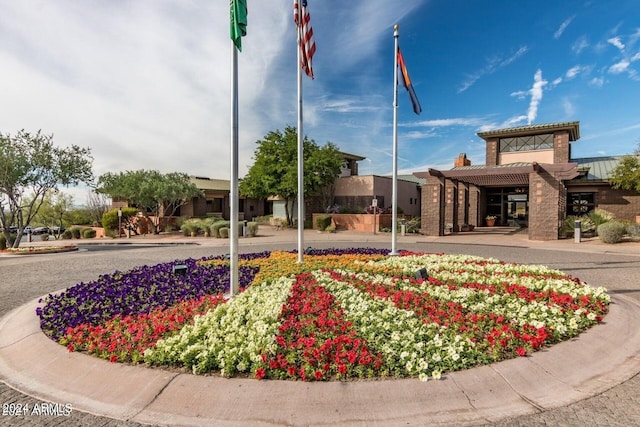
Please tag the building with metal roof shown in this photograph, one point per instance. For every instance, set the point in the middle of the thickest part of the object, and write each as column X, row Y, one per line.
column 529, row 180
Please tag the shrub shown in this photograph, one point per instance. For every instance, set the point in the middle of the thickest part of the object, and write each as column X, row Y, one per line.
column 88, row 233
column 75, row 232
column 330, row 228
column 599, row 217
column 223, row 232
column 633, row 230
column 252, row 229
column 66, row 235
column 611, row 232
column 3, row 242
column 44, row 237
column 323, row 221
column 216, row 226
column 188, row 227
column 110, row 219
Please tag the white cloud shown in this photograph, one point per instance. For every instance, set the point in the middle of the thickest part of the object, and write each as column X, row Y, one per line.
column 619, row 67
column 536, row 96
column 573, row 71
column 147, row 84
column 615, row 41
column 597, row 82
column 563, row 27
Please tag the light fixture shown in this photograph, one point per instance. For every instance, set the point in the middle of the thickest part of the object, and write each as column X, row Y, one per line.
column 422, row 274
column 180, row 269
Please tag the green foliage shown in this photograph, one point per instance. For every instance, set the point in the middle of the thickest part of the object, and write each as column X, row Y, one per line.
column 188, row 227
column 88, row 233
column 3, row 242
column 67, row 234
column 216, row 226
column 626, row 175
column 152, row 192
column 275, row 168
column 110, row 218
column 80, row 216
column 323, row 221
column 599, row 217
column 252, row 229
column 611, row 232
column 412, row 225
column 223, row 232
column 54, row 209
column 31, row 166
column 330, row 228
column 633, row 230
column 76, row 232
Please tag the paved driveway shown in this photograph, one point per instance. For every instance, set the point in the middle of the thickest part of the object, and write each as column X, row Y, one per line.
column 23, row 278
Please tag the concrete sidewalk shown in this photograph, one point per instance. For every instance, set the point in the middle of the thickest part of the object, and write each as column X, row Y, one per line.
column 606, row 355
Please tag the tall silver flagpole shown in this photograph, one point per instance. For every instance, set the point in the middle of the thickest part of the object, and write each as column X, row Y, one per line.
column 234, row 194
column 394, row 193
column 300, row 197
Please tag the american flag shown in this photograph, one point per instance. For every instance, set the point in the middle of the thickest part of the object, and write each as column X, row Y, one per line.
column 305, row 35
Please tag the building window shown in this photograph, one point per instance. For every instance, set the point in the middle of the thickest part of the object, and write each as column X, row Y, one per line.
column 527, row 143
column 580, row 203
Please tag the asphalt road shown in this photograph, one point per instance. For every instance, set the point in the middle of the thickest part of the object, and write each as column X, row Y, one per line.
column 23, row 278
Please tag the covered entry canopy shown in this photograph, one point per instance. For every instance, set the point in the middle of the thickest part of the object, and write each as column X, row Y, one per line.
column 512, row 174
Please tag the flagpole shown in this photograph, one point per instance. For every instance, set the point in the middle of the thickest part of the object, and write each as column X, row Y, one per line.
column 394, row 192
column 300, row 197
column 234, row 193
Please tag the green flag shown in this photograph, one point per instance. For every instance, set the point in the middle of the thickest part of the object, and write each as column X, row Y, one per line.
column 238, row 22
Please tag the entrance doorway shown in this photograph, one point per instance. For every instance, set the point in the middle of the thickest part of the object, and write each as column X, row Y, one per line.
column 510, row 205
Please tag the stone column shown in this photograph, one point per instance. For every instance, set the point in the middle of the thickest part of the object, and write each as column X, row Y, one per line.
column 451, row 204
column 433, row 207
column 547, row 199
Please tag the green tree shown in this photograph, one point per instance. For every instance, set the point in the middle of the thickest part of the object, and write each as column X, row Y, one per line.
column 275, row 168
column 156, row 195
column 53, row 210
column 626, row 175
column 31, row 164
column 111, row 221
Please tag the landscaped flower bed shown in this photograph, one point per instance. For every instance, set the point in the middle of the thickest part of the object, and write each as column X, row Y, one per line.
column 32, row 250
column 341, row 314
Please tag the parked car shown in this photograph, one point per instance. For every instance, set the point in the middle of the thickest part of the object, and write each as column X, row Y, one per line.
column 57, row 230
column 27, row 230
column 40, row 230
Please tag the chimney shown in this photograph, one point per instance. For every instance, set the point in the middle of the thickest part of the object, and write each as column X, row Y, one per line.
column 461, row 160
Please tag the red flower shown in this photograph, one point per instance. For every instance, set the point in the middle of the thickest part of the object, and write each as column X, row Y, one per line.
column 260, row 373
column 521, row 351
column 318, row 375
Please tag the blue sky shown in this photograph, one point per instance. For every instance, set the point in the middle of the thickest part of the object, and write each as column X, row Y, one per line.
column 146, row 84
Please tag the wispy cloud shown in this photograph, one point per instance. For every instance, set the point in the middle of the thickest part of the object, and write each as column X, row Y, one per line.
column 579, row 45
column 455, row 121
column 563, row 27
column 493, row 64
column 536, row 96
column 615, row 41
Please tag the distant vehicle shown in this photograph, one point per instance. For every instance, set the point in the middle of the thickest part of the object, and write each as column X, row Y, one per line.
column 40, row 230
column 57, row 230
column 27, row 230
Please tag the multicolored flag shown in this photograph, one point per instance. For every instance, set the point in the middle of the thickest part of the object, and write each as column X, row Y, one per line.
column 403, row 75
column 305, row 35
column 238, row 22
